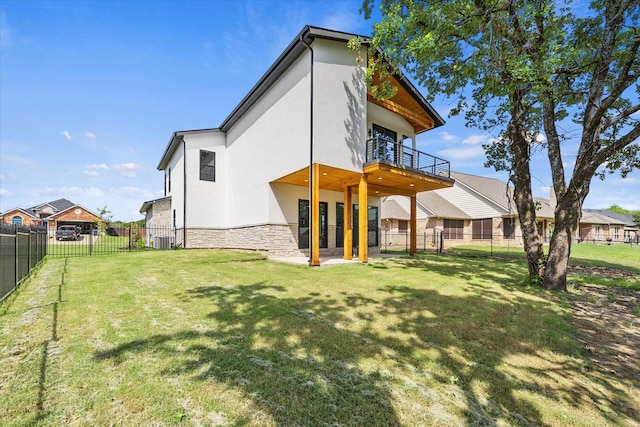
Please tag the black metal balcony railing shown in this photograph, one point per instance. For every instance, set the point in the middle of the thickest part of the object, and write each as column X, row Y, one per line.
column 388, row 151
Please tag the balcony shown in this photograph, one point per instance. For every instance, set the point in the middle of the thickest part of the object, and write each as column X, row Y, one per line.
column 391, row 169
column 389, row 152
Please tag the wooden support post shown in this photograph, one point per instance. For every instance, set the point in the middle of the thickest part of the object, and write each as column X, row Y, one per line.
column 348, row 224
column 363, row 220
column 414, row 233
column 315, row 217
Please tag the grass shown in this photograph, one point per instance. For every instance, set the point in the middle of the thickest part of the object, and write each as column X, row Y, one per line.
column 598, row 257
column 221, row 338
column 90, row 245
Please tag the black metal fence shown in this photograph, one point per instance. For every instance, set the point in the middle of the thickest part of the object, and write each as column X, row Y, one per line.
column 478, row 244
column 21, row 249
column 437, row 241
column 114, row 240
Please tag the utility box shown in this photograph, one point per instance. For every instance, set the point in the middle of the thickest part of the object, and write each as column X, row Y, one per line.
column 164, row 242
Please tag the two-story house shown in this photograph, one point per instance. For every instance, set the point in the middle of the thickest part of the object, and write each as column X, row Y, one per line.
column 300, row 165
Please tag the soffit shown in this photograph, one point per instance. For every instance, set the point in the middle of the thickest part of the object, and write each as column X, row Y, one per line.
column 408, row 103
column 382, row 180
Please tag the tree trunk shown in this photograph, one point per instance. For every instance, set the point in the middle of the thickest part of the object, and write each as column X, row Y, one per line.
column 555, row 272
column 521, row 178
column 528, row 224
column 567, row 218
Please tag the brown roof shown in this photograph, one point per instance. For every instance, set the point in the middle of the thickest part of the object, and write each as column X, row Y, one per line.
column 440, row 207
column 391, row 209
column 493, row 189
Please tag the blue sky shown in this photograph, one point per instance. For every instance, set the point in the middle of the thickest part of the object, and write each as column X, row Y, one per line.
column 90, row 92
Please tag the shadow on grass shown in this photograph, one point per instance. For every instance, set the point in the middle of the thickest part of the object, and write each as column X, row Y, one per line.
column 491, row 331
column 296, row 361
column 291, row 363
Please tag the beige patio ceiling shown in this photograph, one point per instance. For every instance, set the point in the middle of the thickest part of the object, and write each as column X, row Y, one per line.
column 382, row 180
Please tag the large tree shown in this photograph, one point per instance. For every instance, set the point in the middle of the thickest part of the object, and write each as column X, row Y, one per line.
column 521, row 68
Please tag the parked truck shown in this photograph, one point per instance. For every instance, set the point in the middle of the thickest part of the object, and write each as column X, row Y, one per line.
column 67, row 232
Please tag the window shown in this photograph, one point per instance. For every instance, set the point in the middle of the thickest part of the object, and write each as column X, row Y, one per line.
column 597, row 232
column 207, row 165
column 339, row 225
column 616, row 233
column 481, row 229
column 407, row 151
column 16, row 220
column 303, row 224
column 453, row 229
column 372, row 225
column 509, row 228
column 386, row 143
column 168, row 182
column 403, row 226
column 373, row 234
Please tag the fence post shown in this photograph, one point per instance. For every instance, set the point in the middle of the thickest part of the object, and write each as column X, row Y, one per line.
column 491, row 251
column 406, row 240
column 16, row 257
column 29, row 250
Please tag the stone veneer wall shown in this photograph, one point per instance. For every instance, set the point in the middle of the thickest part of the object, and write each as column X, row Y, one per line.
column 275, row 239
column 160, row 214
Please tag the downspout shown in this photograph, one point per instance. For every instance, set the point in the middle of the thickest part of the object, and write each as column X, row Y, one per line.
column 311, row 201
column 184, row 192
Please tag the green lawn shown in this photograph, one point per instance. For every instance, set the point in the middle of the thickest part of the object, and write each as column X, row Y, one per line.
column 598, row 256
column 197, row 337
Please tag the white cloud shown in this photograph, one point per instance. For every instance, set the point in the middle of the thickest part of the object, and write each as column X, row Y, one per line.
column 67, row 135
column 4, row 192
column 93, row 170
column 70, row 193
column 463, row 152
column 541, row 137
column 344, row 18
column 128, row 169
column 101, row 166
column 90, row 134
column 133, row 193
column 632, row 181
column 474, row 139
column 446, row 136
column 544, row 189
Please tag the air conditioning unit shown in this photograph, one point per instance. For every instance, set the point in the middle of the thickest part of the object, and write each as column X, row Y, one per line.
column 165, row 242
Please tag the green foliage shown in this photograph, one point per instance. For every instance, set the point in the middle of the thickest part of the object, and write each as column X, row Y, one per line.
column 105, row 214
column 516, row 68
column 618, row 209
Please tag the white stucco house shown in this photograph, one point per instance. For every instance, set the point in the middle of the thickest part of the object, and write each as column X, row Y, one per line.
column 288, row 170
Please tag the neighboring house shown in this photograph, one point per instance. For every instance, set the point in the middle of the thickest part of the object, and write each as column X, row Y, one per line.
column 598, row 225
column 475, row 210
column 289, row 171
column 19, row 216
column 53, row 215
